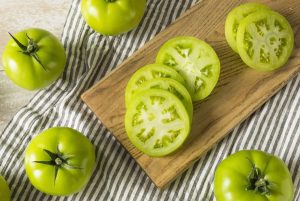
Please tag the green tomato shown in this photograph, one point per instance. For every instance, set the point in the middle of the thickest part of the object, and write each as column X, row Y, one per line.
column 59, row 161
column 4, row 190
column 113, row 17
column 253, row 175
column 195, row 60
column 157, row 122
column 265, row 40
column 34, row 58
column 234, row 18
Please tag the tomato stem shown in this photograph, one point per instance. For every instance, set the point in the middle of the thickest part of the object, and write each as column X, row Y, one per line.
column 32, row 46
column 257, row 182
column 31, row 49
column 58, row 161
column 23, row 47
column 110, row 1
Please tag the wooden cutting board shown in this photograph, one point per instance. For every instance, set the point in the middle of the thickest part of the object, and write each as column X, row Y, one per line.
column 239, row 93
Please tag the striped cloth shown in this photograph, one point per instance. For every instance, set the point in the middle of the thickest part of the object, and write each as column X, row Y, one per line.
column 273, row 128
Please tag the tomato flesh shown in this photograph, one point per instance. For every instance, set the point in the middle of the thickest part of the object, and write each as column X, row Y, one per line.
column 157, row 122
column 265, row 40
column 172, row 86
column 234, row 18
column 195, row 60
column 147, row 73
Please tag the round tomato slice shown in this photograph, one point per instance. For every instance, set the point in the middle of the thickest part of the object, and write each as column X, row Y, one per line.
column 195, row 60
column 172, row 86
column 157, row 122
column 251, row 175
column 234, row 18
column 146, row 73
column 265, row 40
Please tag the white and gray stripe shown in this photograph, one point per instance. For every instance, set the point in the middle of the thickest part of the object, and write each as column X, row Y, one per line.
column 273, row 128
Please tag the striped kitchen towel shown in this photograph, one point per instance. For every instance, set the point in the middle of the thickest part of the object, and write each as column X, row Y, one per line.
column 273, row 128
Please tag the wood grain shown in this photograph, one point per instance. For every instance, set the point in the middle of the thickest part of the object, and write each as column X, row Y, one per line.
column 239, row 92
column 15, row 16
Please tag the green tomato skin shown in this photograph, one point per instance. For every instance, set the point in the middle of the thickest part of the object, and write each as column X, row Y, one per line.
column 70, row 143
column 24, row 70
column 4, row 190
column 231, row 177
column 113, row 18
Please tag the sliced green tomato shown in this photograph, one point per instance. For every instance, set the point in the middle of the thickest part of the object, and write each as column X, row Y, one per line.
column 146, row 73
column 157, row 122
column 195, row 60
column 265, row 40
column 172, row 86
column 235, row 17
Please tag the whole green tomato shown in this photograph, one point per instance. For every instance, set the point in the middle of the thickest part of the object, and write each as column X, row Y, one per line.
column 33, row 58
column 59, row 161
column 113, row 17
column 252, row 175
column 4, row 190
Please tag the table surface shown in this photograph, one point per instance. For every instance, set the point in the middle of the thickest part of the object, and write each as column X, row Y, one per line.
column 17, row 15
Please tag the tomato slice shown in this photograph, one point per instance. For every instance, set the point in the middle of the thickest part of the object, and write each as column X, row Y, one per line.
column 234, row 18
column 157, row 122
column 265, row 40
column 172, row 86
column 195, row 60
column 146, row 73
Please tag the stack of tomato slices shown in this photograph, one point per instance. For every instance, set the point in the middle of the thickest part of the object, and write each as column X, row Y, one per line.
column 263, row 38
column 159, row 96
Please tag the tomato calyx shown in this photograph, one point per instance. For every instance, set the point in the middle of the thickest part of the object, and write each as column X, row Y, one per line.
column 257, row 182
column 30, row 49
column 57, row 160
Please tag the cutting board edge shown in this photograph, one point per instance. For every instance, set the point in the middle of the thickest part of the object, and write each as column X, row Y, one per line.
column 163, row 185
column 217, row 140
column 191, row 162
column 124, row 147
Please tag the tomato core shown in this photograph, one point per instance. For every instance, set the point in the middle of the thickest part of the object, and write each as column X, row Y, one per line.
column 32, row 47
column 58, row 161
